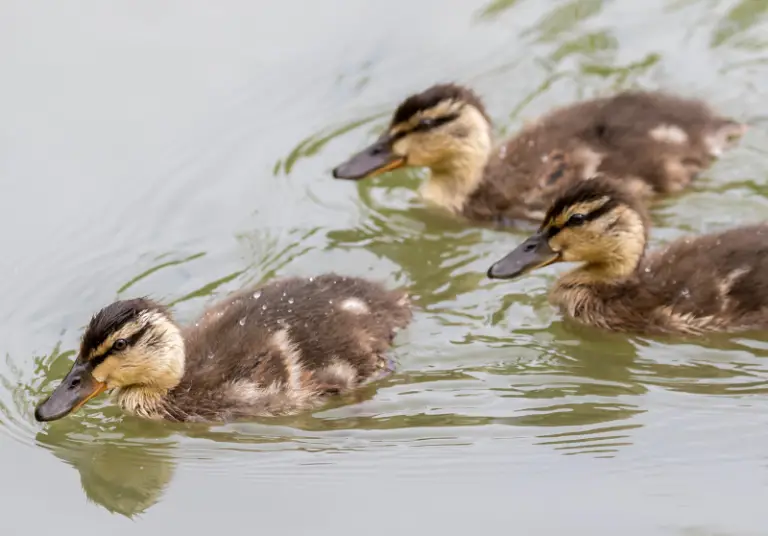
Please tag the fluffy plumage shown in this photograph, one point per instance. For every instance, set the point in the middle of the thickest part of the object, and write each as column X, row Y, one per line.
column 714, row 282
column 274, row 350
column 653, row 141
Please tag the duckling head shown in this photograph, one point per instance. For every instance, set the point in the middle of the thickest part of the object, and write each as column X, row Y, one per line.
column 444, row 128
column 128, row 345
column 597, row 222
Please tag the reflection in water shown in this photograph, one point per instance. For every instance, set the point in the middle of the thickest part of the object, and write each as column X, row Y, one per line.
column 742, row 17
column 311, row 145
column 495, row 8
column 544, row 86
column 208, row 289
column 578, row 388
column 120, row 468
column 124, row 464
column 488, row 368
column 573, row 397
column 163, row 264
column 270, row 254
column 564, row 18
column 594, row 45
column 436, row 272
column 623, row 73
column 715, row 365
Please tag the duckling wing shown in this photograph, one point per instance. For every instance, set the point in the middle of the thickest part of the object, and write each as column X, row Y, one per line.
column 664, row 139
column 280, row 347
column 722, row 277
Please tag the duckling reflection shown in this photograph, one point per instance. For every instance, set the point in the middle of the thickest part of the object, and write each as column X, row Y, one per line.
column 279, row 349
column 655, row 142
column 127, row 479
column 712, row 283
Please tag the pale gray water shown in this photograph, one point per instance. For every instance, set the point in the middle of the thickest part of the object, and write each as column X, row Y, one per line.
column 182, row 149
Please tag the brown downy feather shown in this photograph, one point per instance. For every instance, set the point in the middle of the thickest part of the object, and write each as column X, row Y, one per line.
column 655, row 141
column 302, row 341
column 715, row 282
column 277, row 349
column 711, row 283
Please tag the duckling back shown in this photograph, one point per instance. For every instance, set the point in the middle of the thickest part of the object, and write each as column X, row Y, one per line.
column 285, row 346
column 714, row 282
column 662, row 138
column 654, row 141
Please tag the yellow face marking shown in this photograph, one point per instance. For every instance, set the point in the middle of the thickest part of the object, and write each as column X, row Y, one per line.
column 610, row 246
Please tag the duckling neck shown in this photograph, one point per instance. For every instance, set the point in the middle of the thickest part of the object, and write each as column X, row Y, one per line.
column 589, row 292
column 613, row 271
column 451, row 182
column 143, row 401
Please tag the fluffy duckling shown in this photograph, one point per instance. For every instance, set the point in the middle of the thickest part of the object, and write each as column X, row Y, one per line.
column 274, row 350
column 714, row 282
column 654, row 140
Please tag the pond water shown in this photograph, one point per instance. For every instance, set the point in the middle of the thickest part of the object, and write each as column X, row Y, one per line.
column 183, row 149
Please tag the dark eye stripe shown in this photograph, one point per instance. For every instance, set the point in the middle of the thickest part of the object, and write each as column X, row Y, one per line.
column 398, row 136
column 434, row 123
column 610, row 205
column 96, row 361
column 553, row 230
column 133, row 339
column 439, row 121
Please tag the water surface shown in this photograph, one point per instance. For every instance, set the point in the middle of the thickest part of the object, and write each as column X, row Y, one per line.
column 183, row 149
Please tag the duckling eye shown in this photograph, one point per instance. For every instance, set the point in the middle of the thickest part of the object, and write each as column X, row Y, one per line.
column 119, row 345
column 427, row 122
column 576, row 219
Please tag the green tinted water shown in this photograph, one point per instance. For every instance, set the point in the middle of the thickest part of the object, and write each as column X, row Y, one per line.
column 183, row 149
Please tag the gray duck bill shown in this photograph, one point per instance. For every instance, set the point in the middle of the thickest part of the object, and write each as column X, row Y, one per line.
column 532, row 254
column 77, row 388
column 373, row 160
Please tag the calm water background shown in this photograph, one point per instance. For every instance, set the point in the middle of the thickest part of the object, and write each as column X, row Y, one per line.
column 182, row 149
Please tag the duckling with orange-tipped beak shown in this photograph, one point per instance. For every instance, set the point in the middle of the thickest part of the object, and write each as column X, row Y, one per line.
column 278, row 349
column 654, row 141
column 711, row 283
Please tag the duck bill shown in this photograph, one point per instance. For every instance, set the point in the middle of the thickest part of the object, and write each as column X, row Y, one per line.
column 373, row 160
column 77, row 388
column 531, row 255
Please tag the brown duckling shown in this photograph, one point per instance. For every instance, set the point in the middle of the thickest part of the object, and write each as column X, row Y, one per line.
column 714, row 282
column 275, row 350
column 655, row 140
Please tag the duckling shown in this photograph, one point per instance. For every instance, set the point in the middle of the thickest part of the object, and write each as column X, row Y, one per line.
column 275, row 350
column 655, row 140
column 709, row 283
